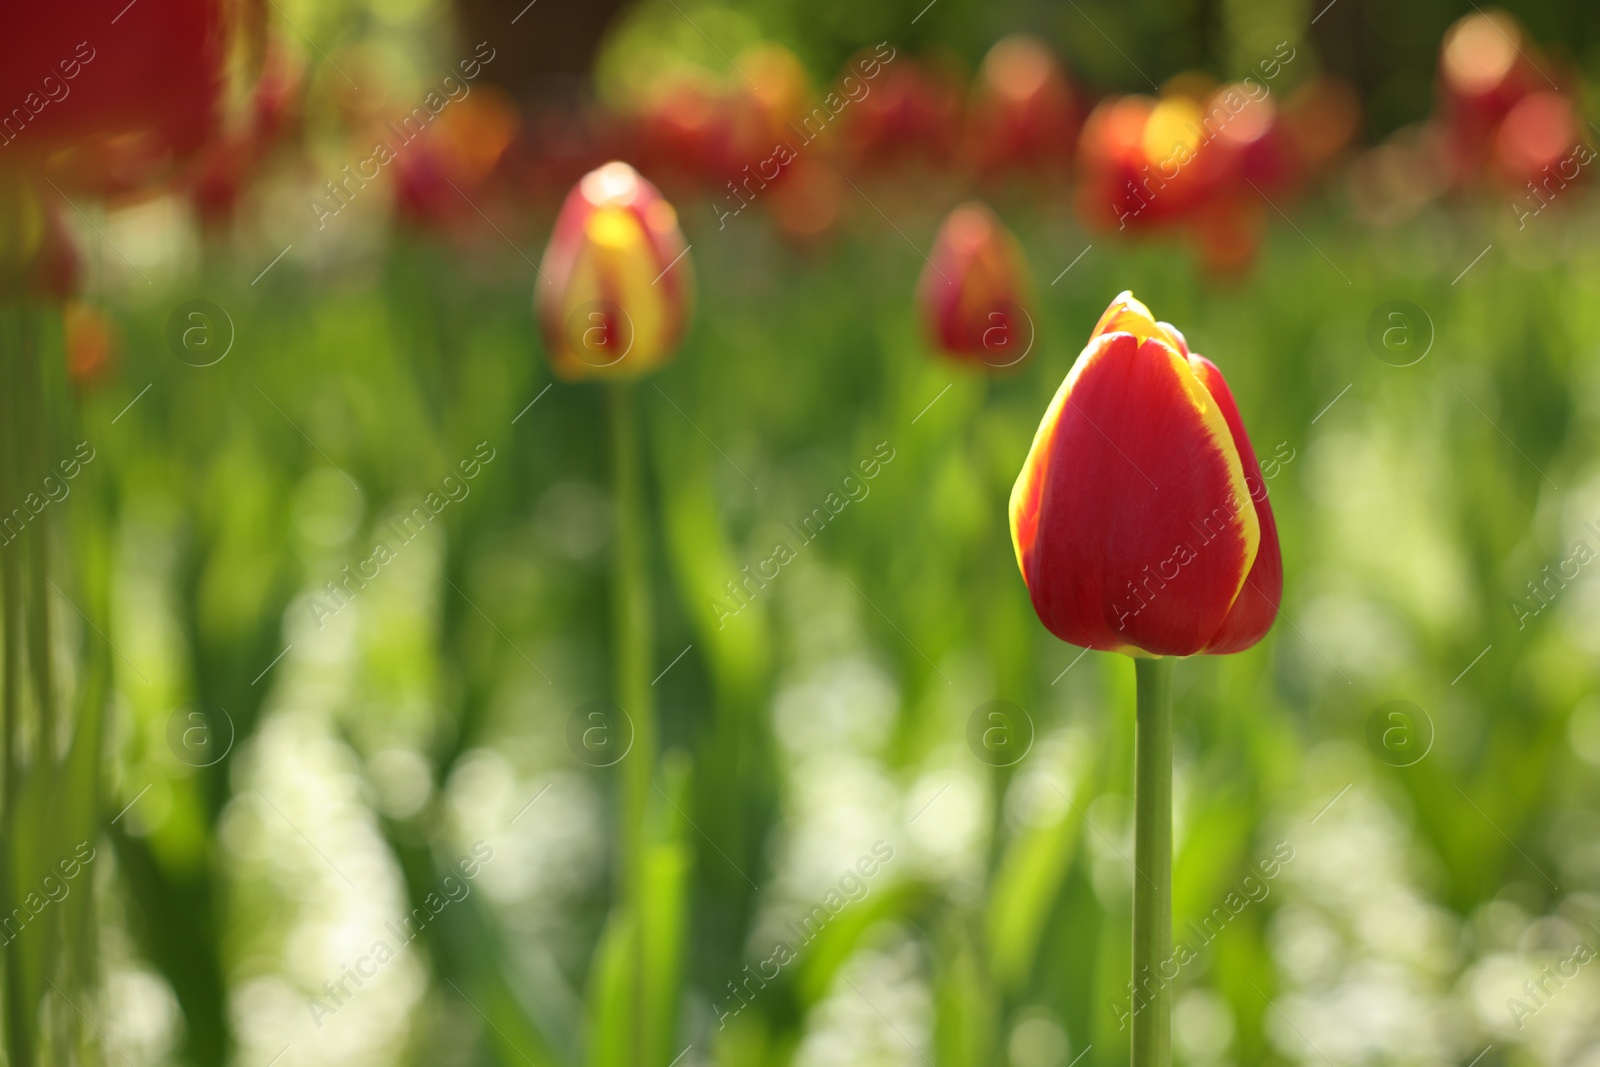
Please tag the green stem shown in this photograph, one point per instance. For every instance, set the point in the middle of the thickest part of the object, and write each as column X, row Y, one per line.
column 1152, row 858
column 20, row 1008
column 632, row 619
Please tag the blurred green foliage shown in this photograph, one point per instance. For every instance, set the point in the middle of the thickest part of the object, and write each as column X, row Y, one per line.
column 1413, row 505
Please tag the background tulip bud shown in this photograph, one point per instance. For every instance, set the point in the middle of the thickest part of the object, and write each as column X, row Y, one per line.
column 975, row 290
column 1140, row 518
column 1022, row 112
column 615, row 291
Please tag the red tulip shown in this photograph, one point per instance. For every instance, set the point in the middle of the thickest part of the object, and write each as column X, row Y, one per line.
column 101, row 69
column 55, row 268
column 615, row 290
column 1023, row 112
column 439, row 178
column 806, row 203
column 974, row 290
column 92, row 344
column 1144, row 162
column 686, row 127
column 904, row 112
column 1483, row 72
column 1541, row 143
column 1251, row 143
column 1140, row 519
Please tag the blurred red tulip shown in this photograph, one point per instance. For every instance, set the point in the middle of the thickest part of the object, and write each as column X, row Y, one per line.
column 455, row 156
column 686, row 129
column 91, row 342
column 1483, row 72
column 56, row 270
column 615, row 289
column 1249, row 143
column 1227, row 231
column 1140, row 518
column 975, row 290
column 130, row 87
column 278, row 102
column 1541, row 143
column 905, row 113
column 807, row 203
column 1022, row 111
column 1143, row 162
column 775, row 95
column 220, row 175
column 1323, row 115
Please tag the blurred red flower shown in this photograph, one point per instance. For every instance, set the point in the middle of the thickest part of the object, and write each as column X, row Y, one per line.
column 975, row 290
column 1022, row 112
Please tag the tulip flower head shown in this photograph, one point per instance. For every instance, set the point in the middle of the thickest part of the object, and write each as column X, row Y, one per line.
column 615, row 289
column 120, row 111
column 1140, row 519
column 974, row 291
column 1023, row 111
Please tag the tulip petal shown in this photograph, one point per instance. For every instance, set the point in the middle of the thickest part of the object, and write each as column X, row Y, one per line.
column 1256, row 607
column 1127, row 314
column 1131, row 519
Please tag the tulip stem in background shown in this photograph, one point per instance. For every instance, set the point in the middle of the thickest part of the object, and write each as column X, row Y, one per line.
column 632, row 629
column 1152, row 859
column 631, row 608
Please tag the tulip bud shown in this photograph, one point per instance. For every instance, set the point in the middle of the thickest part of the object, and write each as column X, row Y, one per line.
column 1540, row 144
column 616, row 291
column 1022, row 112
column 92, row 344
column 1145, row 162
column 974, row 290
column 1484, row 70
column 159, row 82
column 1140, row 518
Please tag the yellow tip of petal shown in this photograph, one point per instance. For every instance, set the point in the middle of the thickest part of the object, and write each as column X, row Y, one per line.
column 1127, row 314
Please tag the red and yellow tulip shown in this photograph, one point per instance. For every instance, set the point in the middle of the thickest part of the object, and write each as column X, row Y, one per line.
column 615, row 289
column 1140, row 519
column 975, row 290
